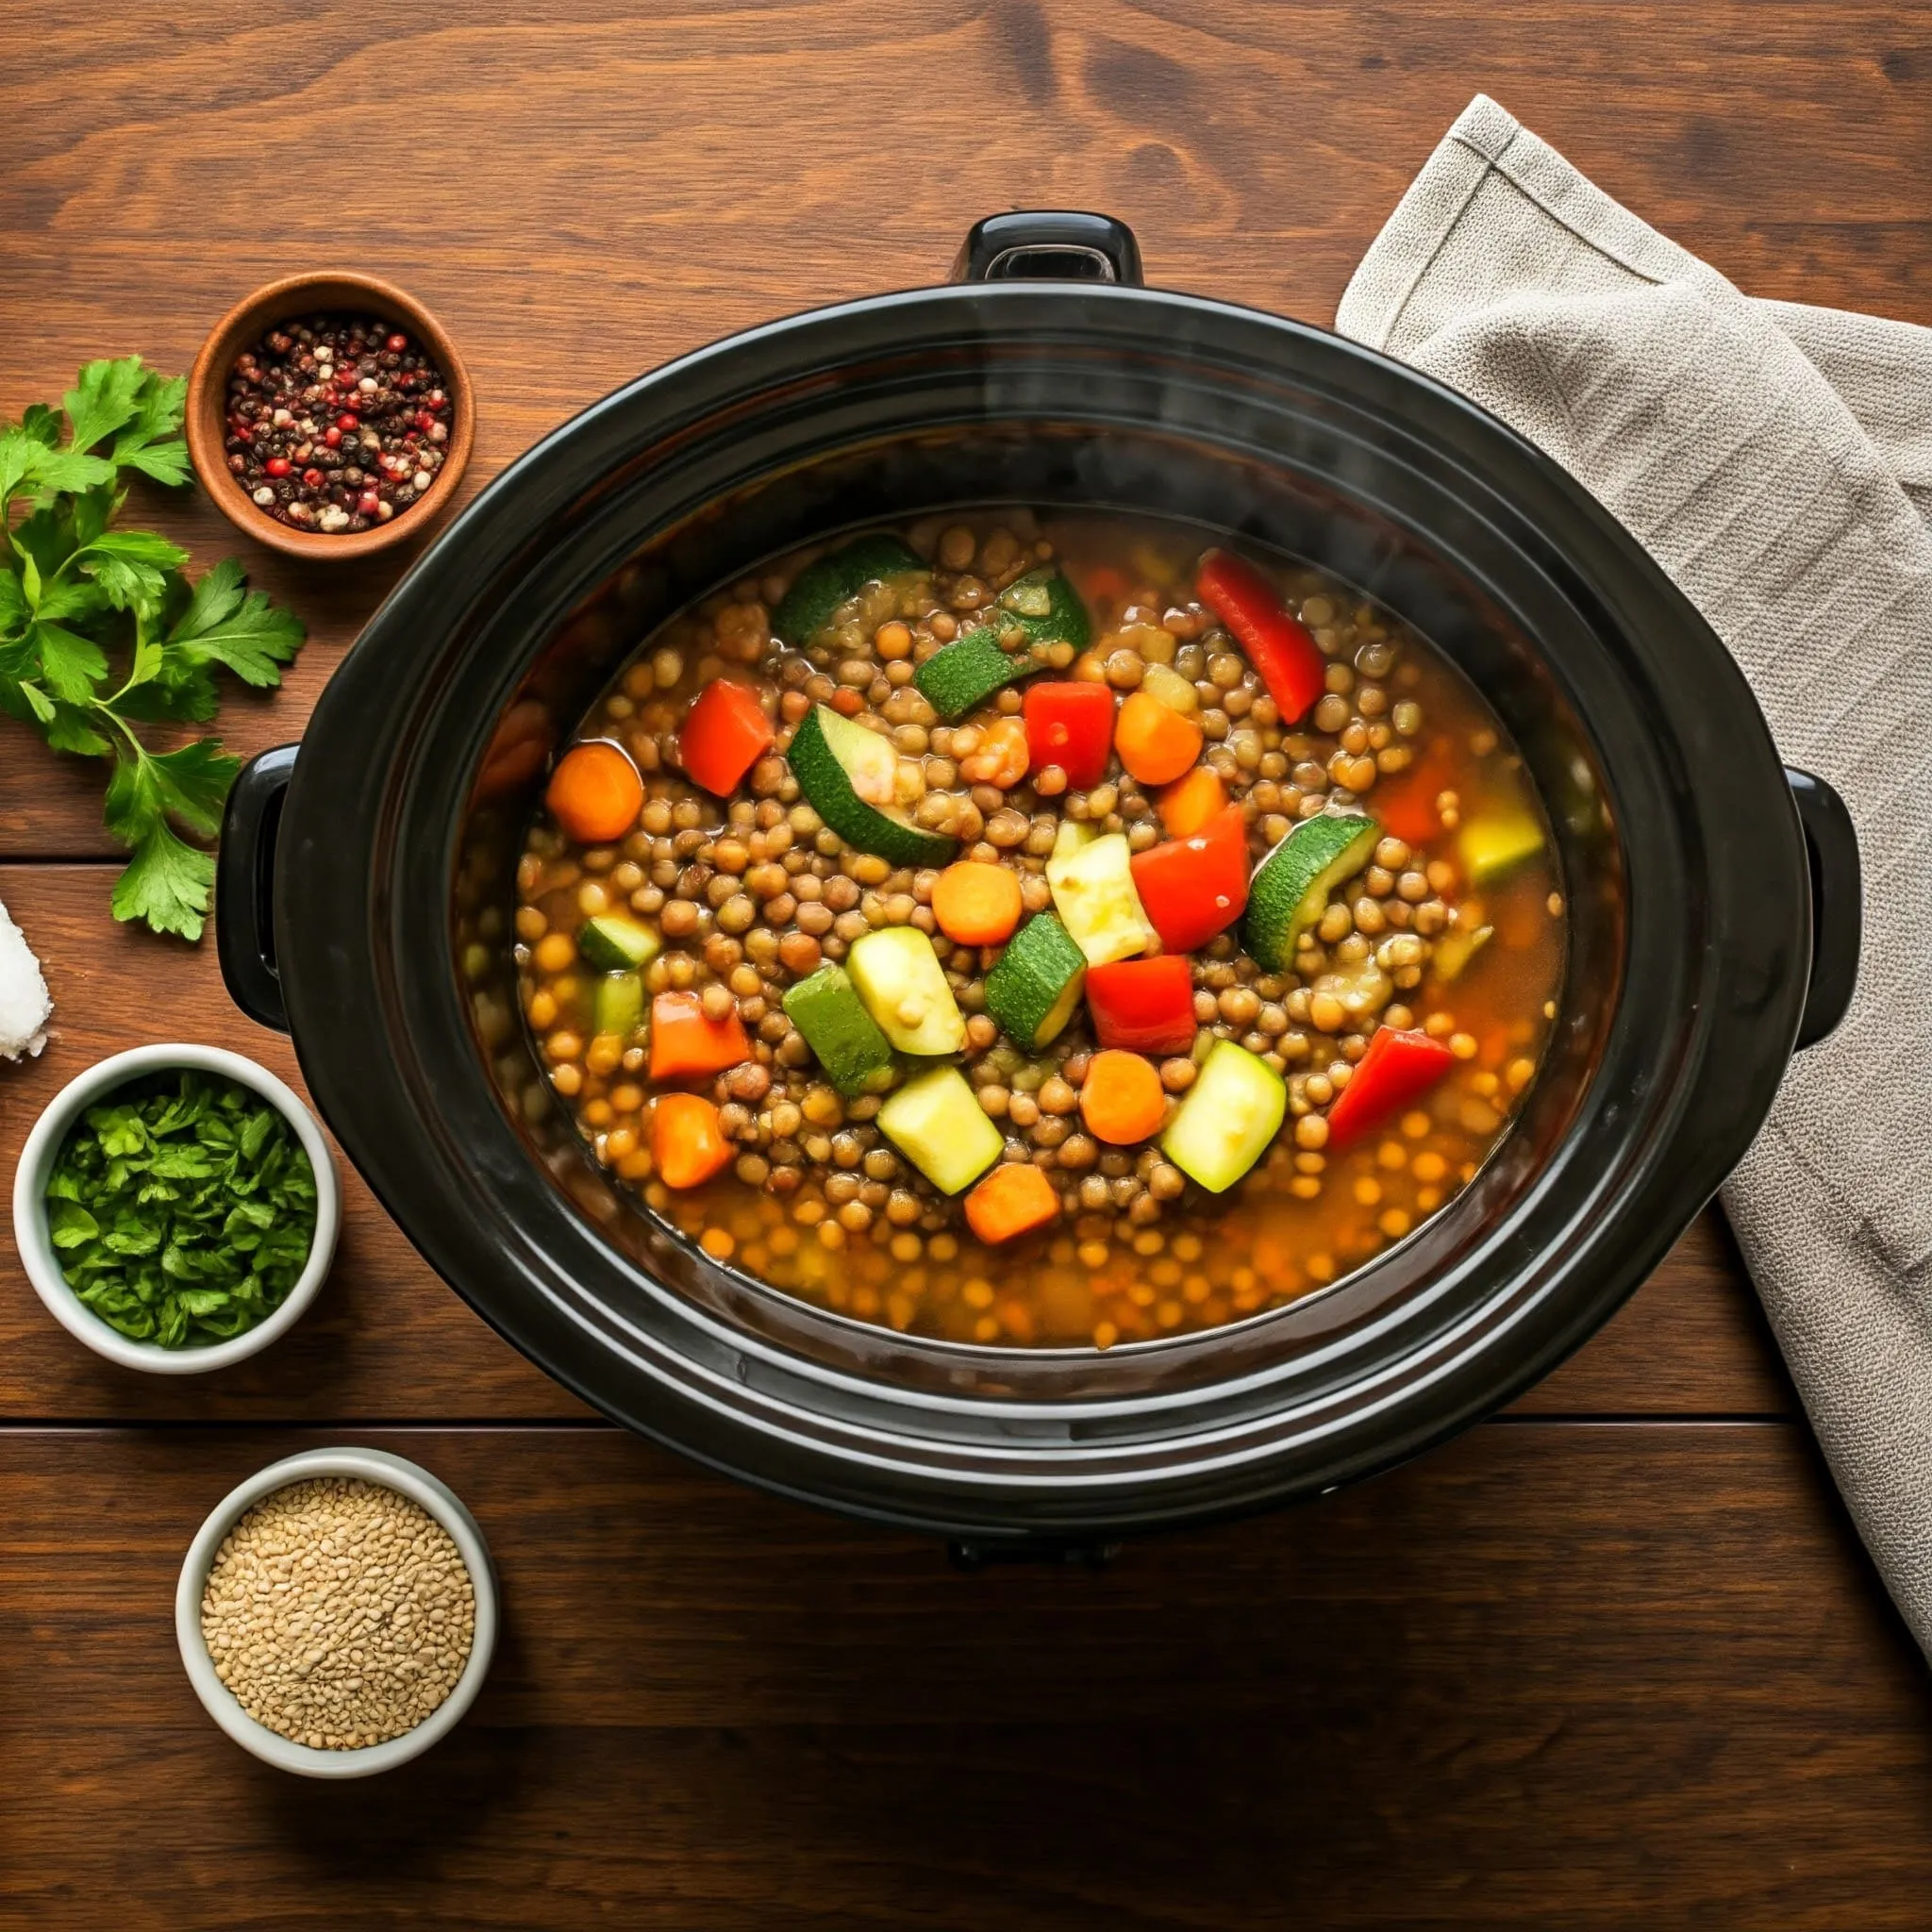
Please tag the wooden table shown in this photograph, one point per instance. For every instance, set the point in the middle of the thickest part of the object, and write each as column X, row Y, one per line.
column 1616, row 1655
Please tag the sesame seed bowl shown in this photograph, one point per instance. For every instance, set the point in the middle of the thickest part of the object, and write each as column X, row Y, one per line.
column 323, row 1472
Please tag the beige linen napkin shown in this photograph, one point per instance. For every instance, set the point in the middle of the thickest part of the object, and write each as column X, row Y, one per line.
column 1777, row 461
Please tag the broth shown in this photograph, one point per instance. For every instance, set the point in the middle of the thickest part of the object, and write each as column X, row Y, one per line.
column 1442, row 931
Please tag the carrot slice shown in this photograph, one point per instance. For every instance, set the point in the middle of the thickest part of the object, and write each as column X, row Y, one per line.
column 595, row 792
column 687, row 1145
column 977, row 904
column 1013, row 1200
column 686, row 1042
column 1189, row 803
column 1156, row 744
column 1120, row 1099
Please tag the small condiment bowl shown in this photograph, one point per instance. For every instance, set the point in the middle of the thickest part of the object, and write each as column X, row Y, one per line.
column 387, row 1471
column 42, row 1265
column 291, row 300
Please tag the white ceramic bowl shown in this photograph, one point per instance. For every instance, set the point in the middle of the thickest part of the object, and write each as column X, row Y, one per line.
column 389, row 1472
column 43, row 1266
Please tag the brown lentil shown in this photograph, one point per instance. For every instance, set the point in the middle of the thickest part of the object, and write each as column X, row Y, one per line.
column 756, row 892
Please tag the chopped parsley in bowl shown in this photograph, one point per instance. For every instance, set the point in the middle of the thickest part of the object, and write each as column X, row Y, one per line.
column 182, row 1208
column 176, row 1208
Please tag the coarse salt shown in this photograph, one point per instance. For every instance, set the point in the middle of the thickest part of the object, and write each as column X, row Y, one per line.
column 24, row 1001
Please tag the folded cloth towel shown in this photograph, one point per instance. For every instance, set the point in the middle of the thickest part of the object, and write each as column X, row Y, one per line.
column 1777, row 461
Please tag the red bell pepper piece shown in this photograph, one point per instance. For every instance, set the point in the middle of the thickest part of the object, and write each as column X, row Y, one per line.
column 725, row 733
column 1399, row 1067
column 1194, row 887
column 1278, row 644
column 686, row 1042
column 1147, row 1005
column 1070, row 726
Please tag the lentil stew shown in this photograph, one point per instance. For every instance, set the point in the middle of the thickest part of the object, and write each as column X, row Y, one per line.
column 1040, row 930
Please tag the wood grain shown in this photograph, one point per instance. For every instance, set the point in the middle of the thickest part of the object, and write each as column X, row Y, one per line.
column 1559, row 1672
column 1593, row 1677
column 388, row 1340
column 591, row 190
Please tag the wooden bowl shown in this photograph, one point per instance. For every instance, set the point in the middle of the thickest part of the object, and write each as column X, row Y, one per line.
column 289, row 300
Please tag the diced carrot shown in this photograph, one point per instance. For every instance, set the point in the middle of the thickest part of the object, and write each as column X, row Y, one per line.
column 977, row 904
column 1014, row 1199
column 1156, row 745
column 1102, row 581
column 685, row 1040
column 1120, row 1099
column 595, row 792
column 1189, row 803
column 687, row 1145
column 1001, row 757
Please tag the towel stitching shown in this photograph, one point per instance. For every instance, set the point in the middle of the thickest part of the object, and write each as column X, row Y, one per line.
column 1447, row 229
column 1494, row 164
column 1563, row 222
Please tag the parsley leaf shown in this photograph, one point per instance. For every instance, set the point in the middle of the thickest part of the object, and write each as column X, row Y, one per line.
column 68, row 730
column 148, row 443
column 249, row 634
column 104, row 396
column 71, row 665
column 82, row 601
column 188, row 784
column 166, row 883
column 131, row 566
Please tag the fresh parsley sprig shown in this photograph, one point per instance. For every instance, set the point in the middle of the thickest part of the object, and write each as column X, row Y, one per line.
column 101, row 631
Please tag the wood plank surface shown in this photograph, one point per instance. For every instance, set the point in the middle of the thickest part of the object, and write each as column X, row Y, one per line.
column 584, row 192
column 1563, row 1672
column 1586, row 1677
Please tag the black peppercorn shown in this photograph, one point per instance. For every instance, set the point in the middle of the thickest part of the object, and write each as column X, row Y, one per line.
column 316, row 449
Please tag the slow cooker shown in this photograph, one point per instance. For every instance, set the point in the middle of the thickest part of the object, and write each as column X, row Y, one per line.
column 1713, row 897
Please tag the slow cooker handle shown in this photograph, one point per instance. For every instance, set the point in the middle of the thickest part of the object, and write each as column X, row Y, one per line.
column 1049, row 246
column 245, row 882
column 1836, row 908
